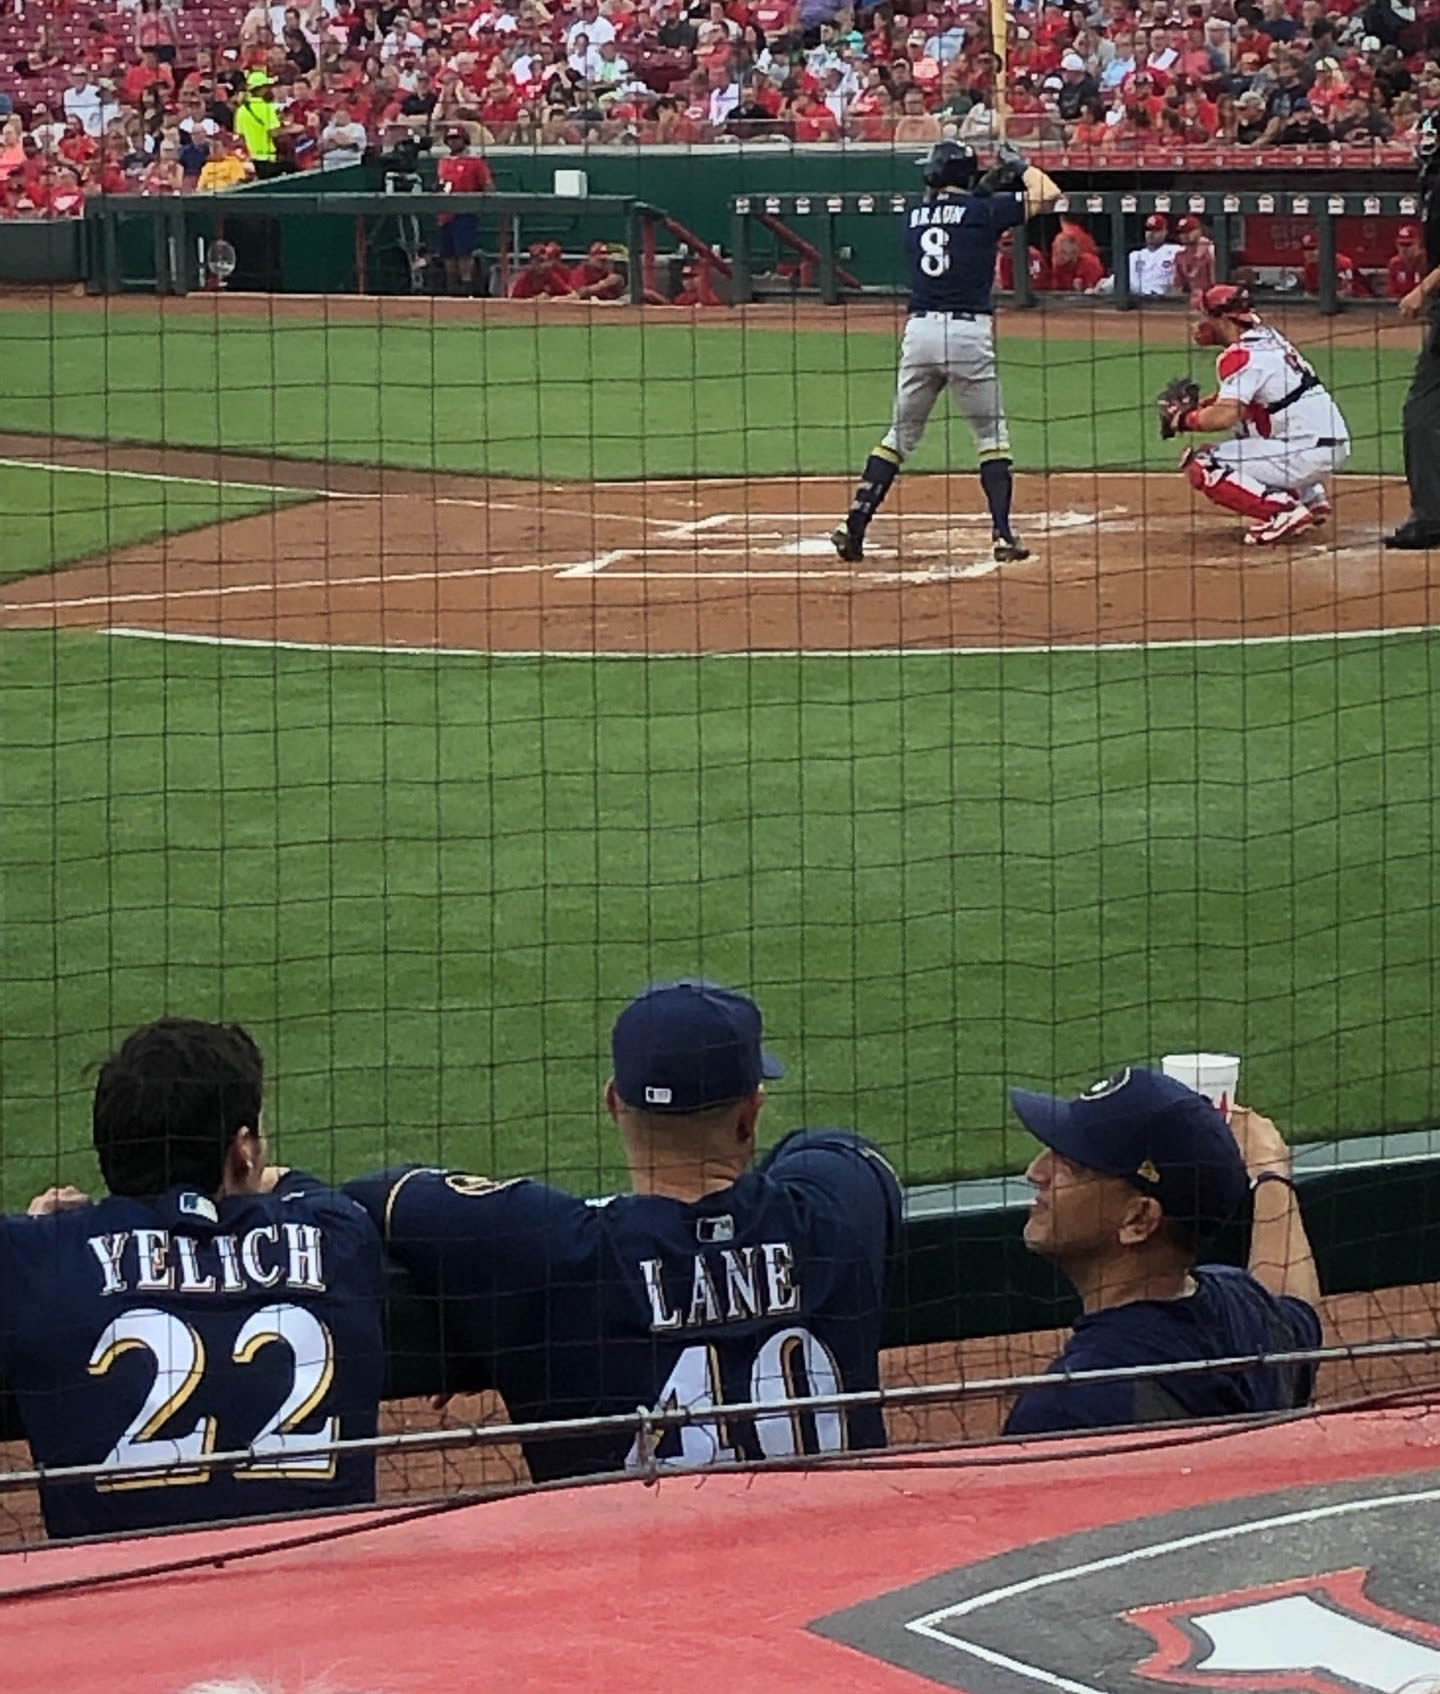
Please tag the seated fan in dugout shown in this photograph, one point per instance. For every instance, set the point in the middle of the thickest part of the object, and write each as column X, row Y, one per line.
column 1287, row 433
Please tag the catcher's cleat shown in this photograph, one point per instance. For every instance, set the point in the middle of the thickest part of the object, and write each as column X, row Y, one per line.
column 1284, row 526
column 1320, row 510
column 847, row 544
column 1008, row 550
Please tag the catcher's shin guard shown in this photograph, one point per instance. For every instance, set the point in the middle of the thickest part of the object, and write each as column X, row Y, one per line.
column 1226, row 488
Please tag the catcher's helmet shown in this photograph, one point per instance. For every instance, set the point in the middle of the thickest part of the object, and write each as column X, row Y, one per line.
column 950, row 164
column 1226, row 300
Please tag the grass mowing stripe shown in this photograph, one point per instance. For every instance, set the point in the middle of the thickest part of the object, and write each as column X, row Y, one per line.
column 608, row 400
column 428, row 887
column 55, row 516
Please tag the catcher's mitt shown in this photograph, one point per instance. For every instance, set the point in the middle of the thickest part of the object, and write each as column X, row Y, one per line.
column 1179, row 396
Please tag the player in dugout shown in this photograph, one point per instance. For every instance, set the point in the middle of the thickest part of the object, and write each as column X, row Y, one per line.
column 543, row 276
column 722, row 1278
column 1133, row 1177
column 208, row 1303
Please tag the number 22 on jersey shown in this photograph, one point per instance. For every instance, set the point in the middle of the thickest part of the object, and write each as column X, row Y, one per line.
column 279, row 1451
column 694, row 1385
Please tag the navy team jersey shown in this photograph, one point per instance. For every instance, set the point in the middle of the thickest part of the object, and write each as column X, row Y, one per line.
column 772, row 1288
column 1228, row 1316
column 950, row 244
column 136, row 1330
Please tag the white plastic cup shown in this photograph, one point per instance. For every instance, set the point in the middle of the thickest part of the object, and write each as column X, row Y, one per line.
column 1215, row 1075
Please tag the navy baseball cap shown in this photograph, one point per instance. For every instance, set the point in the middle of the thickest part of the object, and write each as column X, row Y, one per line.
column 685, row 1046
column 1155, row 1132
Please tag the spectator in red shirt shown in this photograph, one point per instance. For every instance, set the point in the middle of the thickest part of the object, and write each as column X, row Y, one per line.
column 460, row 172
column 595, row 277
column 1074, row 271
column 1092, row 129
column 1407, row 264
column 1347, row 279
column 810, row 119
column 77, row 147
column 543, row 277
column 1005, row 265
column 67, row 196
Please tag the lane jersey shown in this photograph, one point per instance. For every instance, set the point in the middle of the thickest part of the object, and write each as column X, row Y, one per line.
column 770, row 1289
column 140, row 1330
column 1280, row 395
column 951, row 239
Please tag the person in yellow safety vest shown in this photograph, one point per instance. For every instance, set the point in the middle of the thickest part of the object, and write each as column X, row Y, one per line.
column 256, row 120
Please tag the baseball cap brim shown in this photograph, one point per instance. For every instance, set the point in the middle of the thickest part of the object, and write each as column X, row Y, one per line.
column 1051, row 1119
column 770, row 1067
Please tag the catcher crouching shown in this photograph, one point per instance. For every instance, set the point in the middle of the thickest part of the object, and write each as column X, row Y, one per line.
column 1288, row 435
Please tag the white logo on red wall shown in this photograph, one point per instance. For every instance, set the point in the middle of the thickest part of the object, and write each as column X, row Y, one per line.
column 1312, row 1635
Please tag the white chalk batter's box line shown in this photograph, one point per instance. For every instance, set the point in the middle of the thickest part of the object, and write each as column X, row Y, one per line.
column 925, row 536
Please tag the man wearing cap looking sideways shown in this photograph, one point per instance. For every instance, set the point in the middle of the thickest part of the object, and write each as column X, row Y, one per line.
column 1152, row 267
column 1132, row 1177
column 719, row 1279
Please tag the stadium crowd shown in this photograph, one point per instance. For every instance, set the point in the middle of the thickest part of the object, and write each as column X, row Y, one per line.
column 157, row 98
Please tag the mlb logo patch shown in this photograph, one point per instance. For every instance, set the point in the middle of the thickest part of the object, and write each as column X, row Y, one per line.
column 198, row 1206
column 657, row 1096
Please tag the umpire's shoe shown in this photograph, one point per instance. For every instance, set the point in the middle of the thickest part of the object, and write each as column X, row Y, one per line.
column 847, row 544
column 1008, row 550
column 1414, row 536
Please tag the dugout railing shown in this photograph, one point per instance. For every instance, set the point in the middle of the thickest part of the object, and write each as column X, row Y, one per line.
column 964, row 1272
column 832, row 224
column 324, row 242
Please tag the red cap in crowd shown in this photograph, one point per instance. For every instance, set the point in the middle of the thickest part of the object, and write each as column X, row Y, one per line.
column 1157, row 220
column 1187, row 224
column 599, row 250
column 1408, row 232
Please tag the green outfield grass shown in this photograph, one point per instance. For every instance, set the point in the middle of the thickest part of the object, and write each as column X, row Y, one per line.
column 613, row 399
column 428, row 883
column 54, row 517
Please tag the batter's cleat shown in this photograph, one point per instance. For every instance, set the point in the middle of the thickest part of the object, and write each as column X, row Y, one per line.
column 1414, row 536
column 847, row 544
column 1008, row 550
column 1284, row 526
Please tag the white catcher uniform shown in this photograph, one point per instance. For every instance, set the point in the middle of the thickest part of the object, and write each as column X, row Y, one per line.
column 1292, row 434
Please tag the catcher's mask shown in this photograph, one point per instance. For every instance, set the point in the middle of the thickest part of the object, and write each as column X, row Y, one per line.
column 1427, row 144
column 1224, row 300
column 950, row 164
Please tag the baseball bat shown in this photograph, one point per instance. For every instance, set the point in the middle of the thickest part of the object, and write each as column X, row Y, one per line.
column 1000, row 38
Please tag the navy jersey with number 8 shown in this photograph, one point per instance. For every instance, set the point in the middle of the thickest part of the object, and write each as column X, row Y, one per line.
column 950, row 247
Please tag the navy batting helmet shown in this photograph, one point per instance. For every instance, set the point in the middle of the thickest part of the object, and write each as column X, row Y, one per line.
column 950, row 164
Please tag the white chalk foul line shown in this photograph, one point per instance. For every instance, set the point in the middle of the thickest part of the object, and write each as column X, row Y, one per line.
column 142, row 597
column 1019, row 650
column 187, row 481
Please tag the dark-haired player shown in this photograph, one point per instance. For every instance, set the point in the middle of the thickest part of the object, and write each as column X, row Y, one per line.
column 719, row 1279
column 1134, row 1175
column 951, row 240
column 206, row 1304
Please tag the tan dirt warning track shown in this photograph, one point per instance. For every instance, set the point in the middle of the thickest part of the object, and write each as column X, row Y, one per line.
column 409, row 559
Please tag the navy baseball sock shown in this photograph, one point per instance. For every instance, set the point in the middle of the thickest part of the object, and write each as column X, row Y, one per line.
column 880, row 471
column 999, row 485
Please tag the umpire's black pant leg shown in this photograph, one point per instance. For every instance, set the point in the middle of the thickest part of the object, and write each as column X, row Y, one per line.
column 1422, row 432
